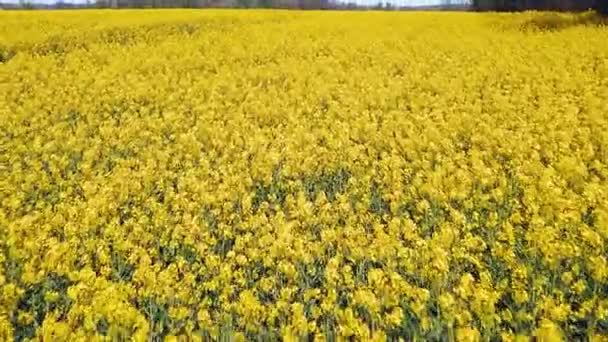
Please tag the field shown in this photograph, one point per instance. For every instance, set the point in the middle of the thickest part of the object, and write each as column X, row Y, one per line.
column 264, row 175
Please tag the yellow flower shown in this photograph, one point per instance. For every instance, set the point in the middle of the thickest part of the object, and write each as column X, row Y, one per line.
column 203, row 175
column 467, row 334
column 548, row 331
column 395, row 317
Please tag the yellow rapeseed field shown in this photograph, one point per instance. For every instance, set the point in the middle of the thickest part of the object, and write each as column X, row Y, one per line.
column 266, row 175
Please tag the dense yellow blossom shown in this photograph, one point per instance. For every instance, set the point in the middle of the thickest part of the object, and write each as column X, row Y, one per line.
column 302, row 175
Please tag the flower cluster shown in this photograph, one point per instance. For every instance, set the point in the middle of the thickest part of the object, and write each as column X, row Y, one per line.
column 301, row 175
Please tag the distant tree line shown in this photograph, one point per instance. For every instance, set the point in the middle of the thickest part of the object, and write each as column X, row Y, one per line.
column 301, row 4
column 294, row 4
column 553, row 5
column 482, row 5
column 601, row 6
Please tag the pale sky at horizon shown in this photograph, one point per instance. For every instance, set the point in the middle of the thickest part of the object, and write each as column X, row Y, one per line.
column 412, row 3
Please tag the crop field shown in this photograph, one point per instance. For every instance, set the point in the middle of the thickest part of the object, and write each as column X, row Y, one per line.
column 302, row 176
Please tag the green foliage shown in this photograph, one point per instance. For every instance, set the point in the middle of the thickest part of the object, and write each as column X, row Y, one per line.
column 602, row 7
column 244, row 3
column 331, row 183
column 6, row 53
column 555, row 21
column 158, row 316
column 378, row 205
column 36, row 303
column 26, row 4
column 265, row 3
column 122, row 271
column 548, row 22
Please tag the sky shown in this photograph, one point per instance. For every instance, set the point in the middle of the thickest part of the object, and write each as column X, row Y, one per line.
column 360, row 2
